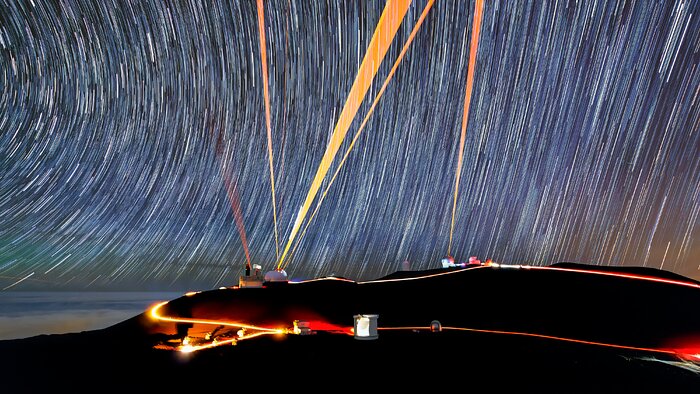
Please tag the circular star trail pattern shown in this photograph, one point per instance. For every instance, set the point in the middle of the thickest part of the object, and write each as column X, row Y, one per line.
column 122, row 121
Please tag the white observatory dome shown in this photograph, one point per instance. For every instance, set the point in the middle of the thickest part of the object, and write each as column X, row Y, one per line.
column 276, row 276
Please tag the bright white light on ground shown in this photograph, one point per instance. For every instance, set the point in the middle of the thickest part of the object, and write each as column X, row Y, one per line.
column 187, row 349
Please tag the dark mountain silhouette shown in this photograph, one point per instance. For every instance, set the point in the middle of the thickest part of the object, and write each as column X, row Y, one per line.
column 631, row 313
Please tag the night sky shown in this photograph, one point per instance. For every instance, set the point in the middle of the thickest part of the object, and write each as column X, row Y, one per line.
column 129, row 130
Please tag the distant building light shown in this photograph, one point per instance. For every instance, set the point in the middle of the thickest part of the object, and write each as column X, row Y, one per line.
column 302, row 328
column 448, row 262
column 187, row 349
column 510, row 266
column 366, row 327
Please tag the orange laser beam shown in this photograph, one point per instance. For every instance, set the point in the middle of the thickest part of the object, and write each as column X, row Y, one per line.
column 427, row 8
column 384, row 33
column 478, row 10
column 266, row 93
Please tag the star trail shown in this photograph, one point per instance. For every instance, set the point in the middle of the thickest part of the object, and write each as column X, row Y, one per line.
column 126, row 125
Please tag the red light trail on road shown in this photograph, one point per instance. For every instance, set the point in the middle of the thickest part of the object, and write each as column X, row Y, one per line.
column 617, row 274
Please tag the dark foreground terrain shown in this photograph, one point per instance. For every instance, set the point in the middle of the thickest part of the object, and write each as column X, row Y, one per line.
column 593, row 308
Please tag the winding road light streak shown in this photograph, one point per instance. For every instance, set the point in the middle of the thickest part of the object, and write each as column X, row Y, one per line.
column 616, row 274
column 259, row 330
column 194, row 348
column 564, row 339
column 156, row 315
column 189, row 348
column 552, row 337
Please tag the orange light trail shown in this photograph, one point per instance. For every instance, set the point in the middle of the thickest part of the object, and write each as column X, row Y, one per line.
column 422, row 17
column 322, row 279
column 617, row 274
column 525, row 267
column 191, row 348
column 194, row 348
column 423, row 277
column 157, row 316
column 392, row 280
column 476, row 25
column 384, row 33
column 266, row 93
column 552, row 337
column 259, row 330
column 564, row 339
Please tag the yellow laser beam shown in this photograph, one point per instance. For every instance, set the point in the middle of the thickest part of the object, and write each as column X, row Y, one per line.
column 384, row 33
column 422, row 17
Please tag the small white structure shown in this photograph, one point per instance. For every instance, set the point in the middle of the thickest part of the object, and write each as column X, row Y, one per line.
column 366, row 327
column 448, row 261
column 435, row 326
column 255, row 280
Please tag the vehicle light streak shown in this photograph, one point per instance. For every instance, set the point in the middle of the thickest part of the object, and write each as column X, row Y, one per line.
column 158, row 316
column 528, row 334
column 616, row 274
column 194, row 348
column 423, row 277
column 322, row 279
column 188, row 348
column 564, row 339
column 524, row 267
column 259, row 330
column 392, row 280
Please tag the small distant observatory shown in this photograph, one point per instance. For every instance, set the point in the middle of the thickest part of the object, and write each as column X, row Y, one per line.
column 366, row 327
column 276, row 276
column 448, row 261
column 254, row 280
